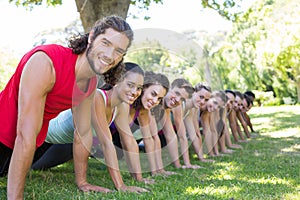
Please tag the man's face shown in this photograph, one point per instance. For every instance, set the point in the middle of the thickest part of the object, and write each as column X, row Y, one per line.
column 175, row 96
column 230, row 101
column 107, row 50
column 201, row 98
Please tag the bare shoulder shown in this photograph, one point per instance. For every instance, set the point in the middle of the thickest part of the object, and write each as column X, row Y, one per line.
column 123, row 109
column 38, row 73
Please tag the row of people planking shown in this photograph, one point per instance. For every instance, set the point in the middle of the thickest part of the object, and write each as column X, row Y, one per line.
column 53, row 110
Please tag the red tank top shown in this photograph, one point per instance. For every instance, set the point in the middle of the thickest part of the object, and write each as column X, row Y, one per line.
column 64, row 94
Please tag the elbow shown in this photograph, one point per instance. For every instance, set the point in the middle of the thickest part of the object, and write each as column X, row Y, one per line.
column 130, row 145
column 26, row 139
column 182, row 138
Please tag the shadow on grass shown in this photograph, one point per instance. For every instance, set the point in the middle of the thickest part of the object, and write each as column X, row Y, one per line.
column 266, row 168
column 278, row 121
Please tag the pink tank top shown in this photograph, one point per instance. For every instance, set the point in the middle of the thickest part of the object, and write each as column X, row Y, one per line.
column 64, row 94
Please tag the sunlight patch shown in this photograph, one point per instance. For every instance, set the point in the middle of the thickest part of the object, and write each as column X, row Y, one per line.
column 269, row 180
column 290, row 132
column 212, row 190
column 294, row 148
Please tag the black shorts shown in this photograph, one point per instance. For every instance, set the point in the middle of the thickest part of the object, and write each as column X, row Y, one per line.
column 5, row 156
column 118, row 145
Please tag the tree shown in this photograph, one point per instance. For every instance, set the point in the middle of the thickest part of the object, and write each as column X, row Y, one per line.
column 288, row 66
column 92, row 10
column 266, row 39
column 7, row 67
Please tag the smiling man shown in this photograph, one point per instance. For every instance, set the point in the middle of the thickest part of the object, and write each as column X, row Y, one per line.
column 50, row 79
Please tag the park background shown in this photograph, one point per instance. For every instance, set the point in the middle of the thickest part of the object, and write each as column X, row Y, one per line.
column 231, row 44
column 237, row 44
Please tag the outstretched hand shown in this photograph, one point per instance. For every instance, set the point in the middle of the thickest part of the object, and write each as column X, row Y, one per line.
column 163, row 173
column 206, row 160
column 88, row 188
column 147, row 180
column 135, row 189
column 191, row 166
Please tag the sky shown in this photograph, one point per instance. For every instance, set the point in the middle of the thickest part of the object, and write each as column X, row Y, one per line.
column 19, row 27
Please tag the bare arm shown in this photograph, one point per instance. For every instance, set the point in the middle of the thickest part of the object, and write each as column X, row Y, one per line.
column 171, row 138
column 144, row 122
column 31, row 103
column 128, row 141
column 194, row 133
column 195, row 121
column 213, row 128
column 100, row 124
column 157, row 143
column 82, row 144
column 233, row 126
column 248, row 121
column 205, row 122
column 181, row 132
column 244, row 124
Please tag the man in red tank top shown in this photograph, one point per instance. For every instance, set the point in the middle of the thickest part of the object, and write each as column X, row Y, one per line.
column 48, row 80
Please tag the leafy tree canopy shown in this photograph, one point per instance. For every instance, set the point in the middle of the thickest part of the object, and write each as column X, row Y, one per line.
column 229, row 9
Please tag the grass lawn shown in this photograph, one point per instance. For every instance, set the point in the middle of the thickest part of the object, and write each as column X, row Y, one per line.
column 266, row 168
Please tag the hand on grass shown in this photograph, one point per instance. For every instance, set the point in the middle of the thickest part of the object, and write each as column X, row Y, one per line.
column 88, row 187
column 168, row 173
column 235, row 146
column 206, row 160
column 190, row 166
column 125, row 188
column 147, row 180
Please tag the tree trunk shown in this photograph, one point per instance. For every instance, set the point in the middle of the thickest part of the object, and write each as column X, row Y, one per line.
column 92, row 10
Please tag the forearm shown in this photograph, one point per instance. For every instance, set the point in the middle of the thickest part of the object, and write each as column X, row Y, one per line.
column 239, row 131
column 111, row 160
column 233, row 127
column 208, row 140
column 149, row 147
column 81, row 152
column 132, row 158
column 19, row 166
column 172, row 142
column 244, row 124
column 227, row 136
column 158, row 155
column 184, row 148
column 194, row 135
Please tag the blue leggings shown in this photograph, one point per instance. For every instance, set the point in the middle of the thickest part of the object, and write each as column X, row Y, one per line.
column 51, row 155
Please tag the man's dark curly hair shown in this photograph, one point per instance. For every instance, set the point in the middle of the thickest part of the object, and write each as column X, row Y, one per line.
column 78, row 43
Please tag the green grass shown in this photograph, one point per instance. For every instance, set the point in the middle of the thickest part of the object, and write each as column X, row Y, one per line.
column 266, row 168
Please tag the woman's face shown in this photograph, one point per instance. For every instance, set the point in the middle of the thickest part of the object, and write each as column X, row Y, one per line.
column 230, row 101
column 212, row 104
column 152, row 96
column 201, row 98
column 130, row 88
column 237, row 103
